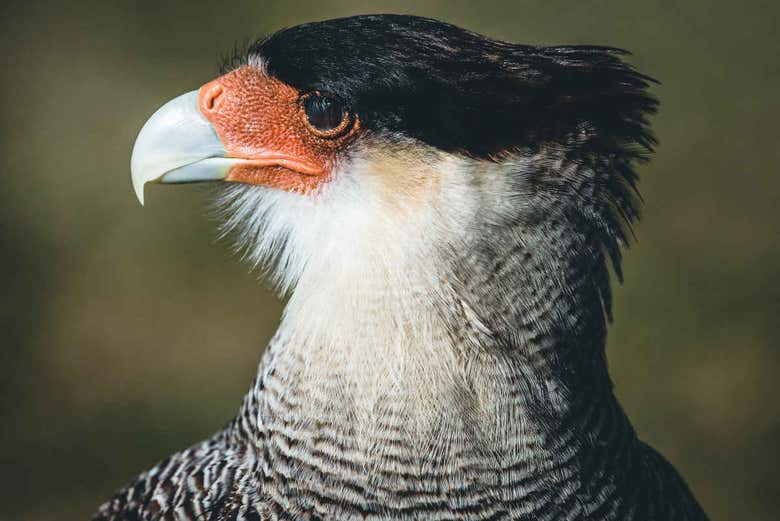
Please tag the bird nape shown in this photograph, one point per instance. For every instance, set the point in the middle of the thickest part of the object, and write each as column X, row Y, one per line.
column 441, row 209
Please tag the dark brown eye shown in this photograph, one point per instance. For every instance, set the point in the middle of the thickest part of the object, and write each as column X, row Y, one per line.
column 326, row 116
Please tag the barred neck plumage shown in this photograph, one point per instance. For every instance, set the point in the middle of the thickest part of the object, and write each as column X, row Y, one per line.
column 459, row 382
column 391, row 398
column 460, row 375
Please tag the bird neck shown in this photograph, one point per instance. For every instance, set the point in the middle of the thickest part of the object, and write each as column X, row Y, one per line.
column 484, row 353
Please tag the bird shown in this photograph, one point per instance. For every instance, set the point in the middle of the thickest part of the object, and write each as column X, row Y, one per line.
column 443, row 212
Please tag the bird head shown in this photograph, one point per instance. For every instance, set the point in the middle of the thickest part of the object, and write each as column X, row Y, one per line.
column 388, row 139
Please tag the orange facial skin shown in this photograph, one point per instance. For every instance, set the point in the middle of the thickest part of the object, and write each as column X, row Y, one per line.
column 261, row 119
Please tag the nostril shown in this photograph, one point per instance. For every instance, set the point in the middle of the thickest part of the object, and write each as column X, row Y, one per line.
column 210, row 94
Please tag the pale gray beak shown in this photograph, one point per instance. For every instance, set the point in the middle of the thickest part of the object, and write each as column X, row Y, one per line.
column 178, row 145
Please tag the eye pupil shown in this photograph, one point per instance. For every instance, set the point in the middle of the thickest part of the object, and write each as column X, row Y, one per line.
column 324, row 113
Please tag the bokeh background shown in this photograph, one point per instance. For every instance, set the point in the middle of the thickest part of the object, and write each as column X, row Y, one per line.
column 129, row 333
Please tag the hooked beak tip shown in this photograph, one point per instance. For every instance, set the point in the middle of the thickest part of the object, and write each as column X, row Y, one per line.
column 139, row 191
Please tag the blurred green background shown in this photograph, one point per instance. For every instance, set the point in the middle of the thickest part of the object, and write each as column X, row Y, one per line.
column 127, row 333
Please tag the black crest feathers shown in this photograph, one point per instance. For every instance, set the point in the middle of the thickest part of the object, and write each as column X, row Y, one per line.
column 460, row 91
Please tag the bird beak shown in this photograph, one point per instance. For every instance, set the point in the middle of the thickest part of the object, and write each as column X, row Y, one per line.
column 178, row 145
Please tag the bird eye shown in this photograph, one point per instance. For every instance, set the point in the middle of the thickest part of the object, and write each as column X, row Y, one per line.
column 326, row 116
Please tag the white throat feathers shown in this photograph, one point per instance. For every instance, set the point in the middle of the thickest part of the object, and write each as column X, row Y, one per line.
column 367, row 264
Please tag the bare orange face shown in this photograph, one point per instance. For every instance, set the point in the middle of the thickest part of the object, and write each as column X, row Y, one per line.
column 265, row 121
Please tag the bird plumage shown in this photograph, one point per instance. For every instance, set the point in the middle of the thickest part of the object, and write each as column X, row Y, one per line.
column 442, row 352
